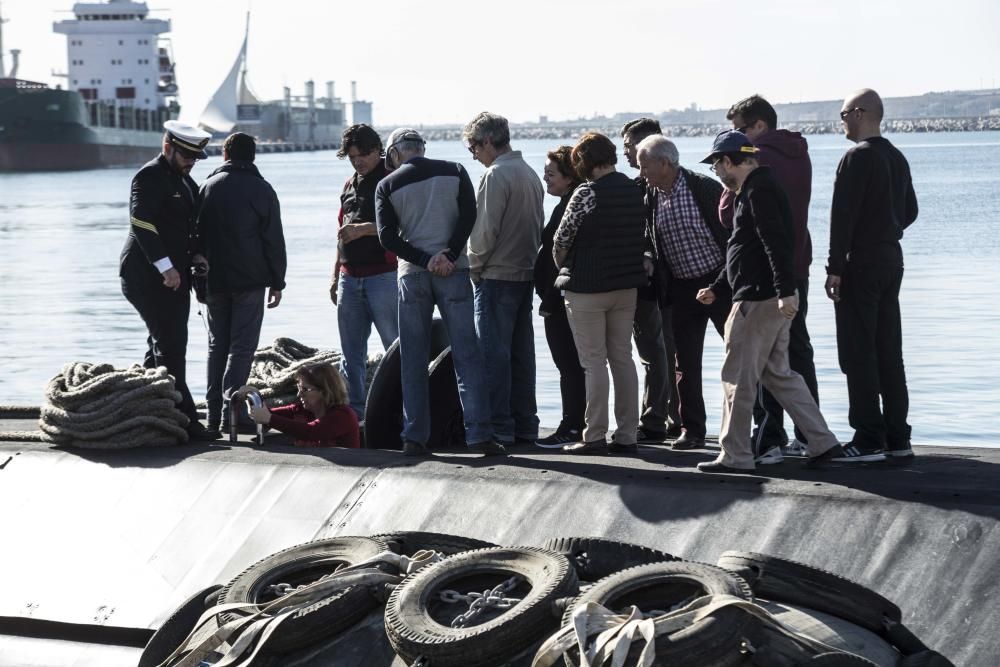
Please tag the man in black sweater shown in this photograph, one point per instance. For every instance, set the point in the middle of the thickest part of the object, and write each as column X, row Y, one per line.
column 758, row 273
column 239, row 229
column 873, row 202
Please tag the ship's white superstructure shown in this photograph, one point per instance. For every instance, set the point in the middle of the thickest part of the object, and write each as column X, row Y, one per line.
column 115, row 55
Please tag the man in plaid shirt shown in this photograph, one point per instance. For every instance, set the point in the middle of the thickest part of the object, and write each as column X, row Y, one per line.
column 689, row 242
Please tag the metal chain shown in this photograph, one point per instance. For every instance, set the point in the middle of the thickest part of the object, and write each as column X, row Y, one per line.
column 495, row 598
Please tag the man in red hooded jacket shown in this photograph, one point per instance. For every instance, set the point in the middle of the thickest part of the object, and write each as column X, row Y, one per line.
column 787, row 154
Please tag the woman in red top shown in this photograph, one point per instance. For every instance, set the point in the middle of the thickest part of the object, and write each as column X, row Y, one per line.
column 322, row 418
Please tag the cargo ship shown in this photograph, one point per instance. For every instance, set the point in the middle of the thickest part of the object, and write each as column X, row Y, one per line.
column 120, row 89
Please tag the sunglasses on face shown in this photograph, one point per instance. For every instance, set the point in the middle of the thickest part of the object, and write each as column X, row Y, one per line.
column 848, row 112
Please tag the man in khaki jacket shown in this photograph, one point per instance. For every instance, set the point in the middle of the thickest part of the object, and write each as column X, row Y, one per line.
column 502, row 251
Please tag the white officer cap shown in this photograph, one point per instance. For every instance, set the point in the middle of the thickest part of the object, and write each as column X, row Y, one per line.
column 188, row 138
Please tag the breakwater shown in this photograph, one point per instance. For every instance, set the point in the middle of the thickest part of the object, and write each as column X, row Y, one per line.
column 568, row 131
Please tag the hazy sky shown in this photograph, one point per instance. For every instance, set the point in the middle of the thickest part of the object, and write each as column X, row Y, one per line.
column 442, row 61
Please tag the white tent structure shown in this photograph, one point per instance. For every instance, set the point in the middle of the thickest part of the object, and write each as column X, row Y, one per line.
column 234, row 103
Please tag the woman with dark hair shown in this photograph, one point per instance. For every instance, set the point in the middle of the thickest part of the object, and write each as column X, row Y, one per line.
column 322, row 417
column 560, row 181
column 599, row 247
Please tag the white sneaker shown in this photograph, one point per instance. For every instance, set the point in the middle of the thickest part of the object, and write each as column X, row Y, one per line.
column 770, row 457
column 796, row 448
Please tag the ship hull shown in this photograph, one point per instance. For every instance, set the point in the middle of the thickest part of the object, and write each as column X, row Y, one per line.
column 49, row 130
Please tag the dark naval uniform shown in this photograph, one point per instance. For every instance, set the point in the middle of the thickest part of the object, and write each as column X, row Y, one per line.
column 161, row 208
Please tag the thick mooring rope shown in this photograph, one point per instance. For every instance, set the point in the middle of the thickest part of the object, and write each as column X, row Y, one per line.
column 95, row 406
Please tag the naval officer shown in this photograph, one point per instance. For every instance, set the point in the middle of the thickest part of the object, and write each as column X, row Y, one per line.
column 156, row 260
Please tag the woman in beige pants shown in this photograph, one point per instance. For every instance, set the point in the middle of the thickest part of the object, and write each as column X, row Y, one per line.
column 599, row 247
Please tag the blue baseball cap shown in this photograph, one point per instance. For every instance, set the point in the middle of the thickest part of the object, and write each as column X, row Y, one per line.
column 729, row 141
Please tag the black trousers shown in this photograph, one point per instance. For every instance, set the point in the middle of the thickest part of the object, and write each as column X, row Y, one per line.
column 690, row 319
column 165, row 313
column 870, row 348
column 768, row 414
column 654, row 341
column 572, row 380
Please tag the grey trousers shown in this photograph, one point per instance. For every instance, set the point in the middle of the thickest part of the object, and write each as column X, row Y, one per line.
column 234, row 321
column 602, row 331
column 757, row 351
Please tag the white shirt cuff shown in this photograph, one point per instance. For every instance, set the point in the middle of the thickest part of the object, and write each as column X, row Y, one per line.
column 163, row 265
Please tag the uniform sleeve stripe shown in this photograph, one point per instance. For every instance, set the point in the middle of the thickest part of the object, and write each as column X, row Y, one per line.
column 144, row 225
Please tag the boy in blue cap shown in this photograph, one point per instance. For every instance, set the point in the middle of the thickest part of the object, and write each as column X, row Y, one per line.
column 759, row 274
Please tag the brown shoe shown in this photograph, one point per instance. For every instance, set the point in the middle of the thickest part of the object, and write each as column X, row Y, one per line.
column 687, row 441
column 592, row 447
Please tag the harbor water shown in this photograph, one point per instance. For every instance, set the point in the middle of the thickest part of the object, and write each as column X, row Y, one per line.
column 61, row 235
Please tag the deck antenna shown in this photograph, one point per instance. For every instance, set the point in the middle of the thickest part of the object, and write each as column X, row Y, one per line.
column 3, row 72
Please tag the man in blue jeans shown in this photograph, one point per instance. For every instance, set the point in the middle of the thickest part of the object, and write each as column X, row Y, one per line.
column 424, row 212
column 502, row 250
column 239, row 231
column 363, row 286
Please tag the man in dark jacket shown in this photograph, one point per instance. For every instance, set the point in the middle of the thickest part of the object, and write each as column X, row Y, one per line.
column 660, row 418
column 689, row 244
column 239, row 229
column 758, row 274
column 157, row 257
column 787, row 154
column 363, row 287
column 873, row 202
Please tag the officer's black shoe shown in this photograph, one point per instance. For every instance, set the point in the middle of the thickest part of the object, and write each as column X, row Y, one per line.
column 198, row 433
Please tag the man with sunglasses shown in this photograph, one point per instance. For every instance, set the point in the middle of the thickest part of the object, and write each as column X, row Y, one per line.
column 424, row 211
column 873, row 202
column 363, row 286
column 787, row 154
column 155, row 265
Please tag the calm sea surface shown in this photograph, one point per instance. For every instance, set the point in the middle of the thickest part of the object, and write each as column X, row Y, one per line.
column 60, row 298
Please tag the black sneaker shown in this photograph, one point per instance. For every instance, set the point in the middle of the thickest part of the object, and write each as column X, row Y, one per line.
column 900, row 452
column 414, row 448
column 558, row 439
column 487, row 448
column 650, row 437
column 845, row 454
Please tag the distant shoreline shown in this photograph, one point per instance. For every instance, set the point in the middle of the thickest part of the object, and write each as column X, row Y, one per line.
column 565, row 131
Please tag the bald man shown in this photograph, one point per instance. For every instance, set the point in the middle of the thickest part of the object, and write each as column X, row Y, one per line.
column 873, row 202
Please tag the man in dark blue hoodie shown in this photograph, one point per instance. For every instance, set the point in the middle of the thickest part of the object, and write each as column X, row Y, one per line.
column 787, row 154
column 239, row 231
column 758, row 272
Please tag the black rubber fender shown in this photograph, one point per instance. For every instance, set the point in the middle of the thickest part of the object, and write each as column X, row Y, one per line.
column 715, row 641
column 384, row 403
column 417, row 622
column 407, row 543
column 304, row 564
column 782, row 580
column 177, row 627
column 903, row 638
column 925, row 659
column 595, row 558
column 447, row 425
column 837, row 659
